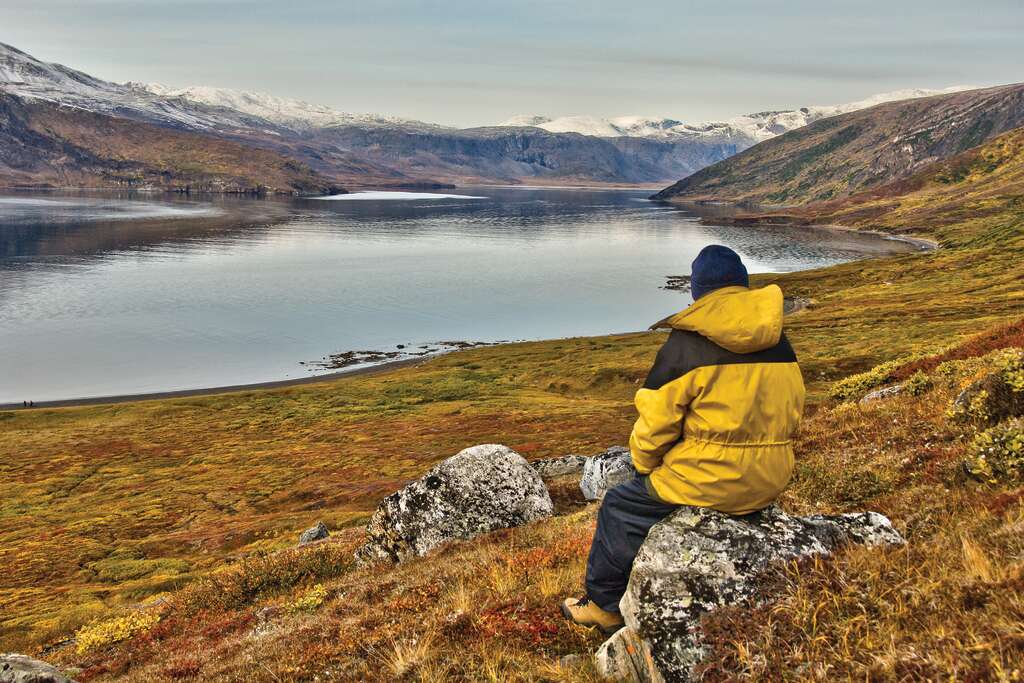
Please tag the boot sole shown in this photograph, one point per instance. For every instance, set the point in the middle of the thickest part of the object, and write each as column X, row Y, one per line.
column 606, row 630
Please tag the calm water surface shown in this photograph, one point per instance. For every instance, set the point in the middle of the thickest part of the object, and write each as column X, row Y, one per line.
column 102, row 296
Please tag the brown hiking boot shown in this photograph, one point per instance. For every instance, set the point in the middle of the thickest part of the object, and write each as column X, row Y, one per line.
column 586, row 613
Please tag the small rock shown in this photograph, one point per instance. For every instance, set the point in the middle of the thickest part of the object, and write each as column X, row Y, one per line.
column 15, row 668
column 698, row 560
column 570, row 661
column 478, row 490
column 559, row 467
column 883, row 393
column 606, row 470
column 314, row 533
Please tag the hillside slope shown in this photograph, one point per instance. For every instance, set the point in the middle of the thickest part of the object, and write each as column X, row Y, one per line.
column 977, row 192
column 45, row 145
column 838, row 156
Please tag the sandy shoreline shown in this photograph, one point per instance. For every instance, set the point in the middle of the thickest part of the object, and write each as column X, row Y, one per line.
column 207, row 391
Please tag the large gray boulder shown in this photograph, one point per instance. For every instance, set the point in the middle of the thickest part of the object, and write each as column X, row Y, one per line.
column 606, row 470
column 697, row 560
column 480, row 489
column 16, row 668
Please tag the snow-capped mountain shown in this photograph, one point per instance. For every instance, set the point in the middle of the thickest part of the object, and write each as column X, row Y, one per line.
column 25, row 76
column 284, row 111
column 750, row 128
column 201, row 108
column 377, row 150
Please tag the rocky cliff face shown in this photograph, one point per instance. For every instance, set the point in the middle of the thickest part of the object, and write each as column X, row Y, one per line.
column 517, row 154
column 838, row 156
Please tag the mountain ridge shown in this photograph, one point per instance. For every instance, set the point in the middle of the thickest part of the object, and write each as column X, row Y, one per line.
column 841, row 155
column 368, row 150
column 757, row 126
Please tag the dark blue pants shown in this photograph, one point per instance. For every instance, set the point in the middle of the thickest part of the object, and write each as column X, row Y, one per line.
column 627, row 513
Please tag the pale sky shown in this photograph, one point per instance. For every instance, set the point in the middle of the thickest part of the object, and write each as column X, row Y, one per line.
column 476, row 62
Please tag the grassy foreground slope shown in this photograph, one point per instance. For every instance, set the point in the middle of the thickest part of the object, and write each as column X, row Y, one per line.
column 112, row 506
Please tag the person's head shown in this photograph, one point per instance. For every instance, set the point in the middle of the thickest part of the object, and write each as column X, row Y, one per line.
column 715, row 267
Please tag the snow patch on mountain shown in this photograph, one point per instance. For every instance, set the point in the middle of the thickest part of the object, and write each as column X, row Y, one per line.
column 750, row 128
column 291, row 113
column 23, row 75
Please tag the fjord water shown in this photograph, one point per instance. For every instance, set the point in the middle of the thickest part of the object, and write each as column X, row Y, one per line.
column 102, row 296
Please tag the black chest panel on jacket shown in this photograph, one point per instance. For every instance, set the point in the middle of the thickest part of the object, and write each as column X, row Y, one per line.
column 685, row 351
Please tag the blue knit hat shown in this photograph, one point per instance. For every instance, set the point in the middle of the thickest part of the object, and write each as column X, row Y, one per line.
column 716, row 267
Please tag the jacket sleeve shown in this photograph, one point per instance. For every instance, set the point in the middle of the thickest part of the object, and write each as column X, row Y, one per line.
column 660, row 424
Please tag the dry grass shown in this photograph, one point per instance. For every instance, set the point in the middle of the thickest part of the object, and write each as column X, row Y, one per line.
column 948, row 605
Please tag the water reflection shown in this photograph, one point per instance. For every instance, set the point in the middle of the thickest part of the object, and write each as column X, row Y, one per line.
column 111, row 295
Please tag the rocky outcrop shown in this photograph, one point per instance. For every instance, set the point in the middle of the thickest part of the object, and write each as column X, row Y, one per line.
column 16, row 668
column 882, row 393
column 480, row 489
column 552, row 468
column 314, row 533
column 606, row 470
column 697, row 560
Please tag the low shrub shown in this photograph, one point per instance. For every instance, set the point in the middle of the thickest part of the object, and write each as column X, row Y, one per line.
column 99, row 634
column 996, row 396
column 855, row 386
column 309, row 600
column 1006, row 336
column 918, row 383
column 254, row 577
column 998, row 453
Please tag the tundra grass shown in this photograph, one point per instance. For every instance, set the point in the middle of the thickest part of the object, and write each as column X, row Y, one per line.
column 948, row 605
column 109, row 507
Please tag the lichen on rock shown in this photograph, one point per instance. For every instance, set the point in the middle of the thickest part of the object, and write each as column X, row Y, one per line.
column 606, row 470
column 314, row 533
column 15, row 668
column 698, row 560
column 481, row 489
column 564, row 466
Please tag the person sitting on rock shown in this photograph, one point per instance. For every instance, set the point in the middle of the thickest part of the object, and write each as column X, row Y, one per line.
column 717, row 413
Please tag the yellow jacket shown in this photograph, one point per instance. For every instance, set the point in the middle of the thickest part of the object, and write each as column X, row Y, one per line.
column 721, row 404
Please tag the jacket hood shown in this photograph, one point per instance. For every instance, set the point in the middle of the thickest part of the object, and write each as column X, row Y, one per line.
column 736, row 318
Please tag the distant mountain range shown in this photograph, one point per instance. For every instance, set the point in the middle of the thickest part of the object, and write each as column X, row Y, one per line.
column 841, row 155
column 57, row 122
column 749, row 129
